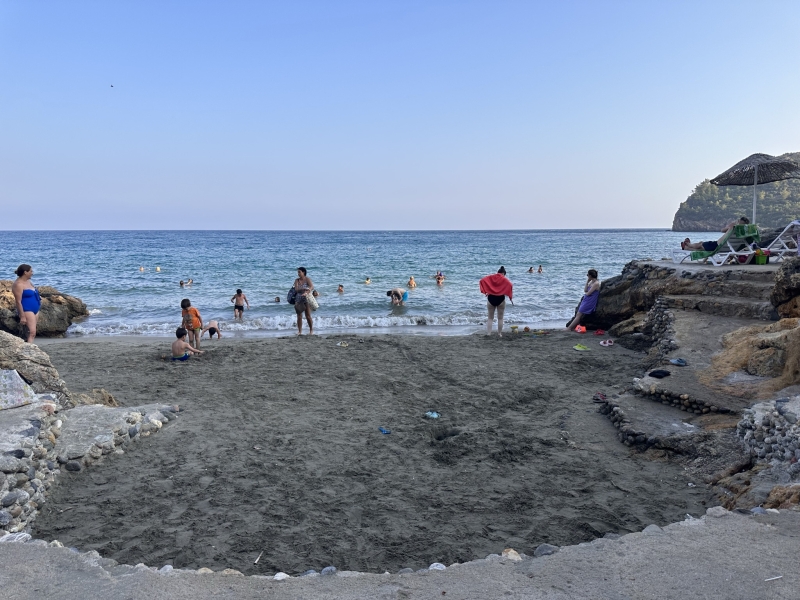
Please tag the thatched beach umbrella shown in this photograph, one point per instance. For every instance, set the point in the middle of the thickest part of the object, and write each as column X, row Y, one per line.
column 758, row 168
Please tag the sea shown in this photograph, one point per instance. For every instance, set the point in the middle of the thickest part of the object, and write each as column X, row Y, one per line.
column 129, row 280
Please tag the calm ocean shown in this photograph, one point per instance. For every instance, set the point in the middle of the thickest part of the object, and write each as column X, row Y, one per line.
column 102, row 268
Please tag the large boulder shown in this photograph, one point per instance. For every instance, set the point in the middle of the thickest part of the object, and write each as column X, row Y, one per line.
column 56, row 315
column 785, row 295
column 635, row 290
column 34, row 366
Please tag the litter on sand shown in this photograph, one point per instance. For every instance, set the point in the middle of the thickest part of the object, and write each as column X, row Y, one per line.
column 607, row 343
column 432, row 414
column 679, row 362
column 659, row 374
column 580, row 347
column 343, row 344
column 384, row 430
column 599, row 398
column 774, row 578
column 580, row 329
column 600, row 332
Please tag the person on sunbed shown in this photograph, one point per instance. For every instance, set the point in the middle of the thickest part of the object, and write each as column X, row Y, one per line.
column 687, row 244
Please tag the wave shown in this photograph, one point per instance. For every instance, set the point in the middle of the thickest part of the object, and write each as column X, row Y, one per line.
column 288, row 322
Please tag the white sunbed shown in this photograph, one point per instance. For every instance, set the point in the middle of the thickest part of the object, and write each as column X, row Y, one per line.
column 785, row 245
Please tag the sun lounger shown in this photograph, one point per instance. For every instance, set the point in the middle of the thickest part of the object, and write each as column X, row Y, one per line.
column 734, row 245
column 785, row 245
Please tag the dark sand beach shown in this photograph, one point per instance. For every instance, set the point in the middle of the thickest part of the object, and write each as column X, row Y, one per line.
column 277, row 449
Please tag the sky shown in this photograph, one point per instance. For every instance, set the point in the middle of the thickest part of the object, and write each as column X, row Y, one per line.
column 384, row 114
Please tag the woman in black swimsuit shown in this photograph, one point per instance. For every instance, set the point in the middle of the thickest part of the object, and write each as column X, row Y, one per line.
column 303, row 286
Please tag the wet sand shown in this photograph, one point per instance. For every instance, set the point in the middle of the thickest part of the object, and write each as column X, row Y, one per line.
column 277, row 449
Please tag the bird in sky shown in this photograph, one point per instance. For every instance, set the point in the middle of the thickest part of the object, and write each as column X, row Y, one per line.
column 112, row 85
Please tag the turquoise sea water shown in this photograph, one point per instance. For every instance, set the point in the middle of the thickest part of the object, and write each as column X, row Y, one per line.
column 102, row 268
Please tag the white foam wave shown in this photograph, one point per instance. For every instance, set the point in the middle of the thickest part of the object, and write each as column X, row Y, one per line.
column 288, row 322
column 95, row 311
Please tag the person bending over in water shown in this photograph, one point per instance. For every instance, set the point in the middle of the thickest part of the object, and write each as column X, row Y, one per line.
column 239, row 300
column 530, row 270
column 27, row 300
column 411, row 283
column 181, row 349
column 710, row 246
column 212, row 329
column 398, row 296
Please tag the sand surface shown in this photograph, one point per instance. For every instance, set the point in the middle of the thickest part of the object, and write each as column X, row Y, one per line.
column 278, row 450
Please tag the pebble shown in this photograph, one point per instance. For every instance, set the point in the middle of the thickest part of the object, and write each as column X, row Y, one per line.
column 545, row 550
column 165, row 569
column 437, row 567
column 11, row 464
column 231, row 572
column 204, row 571
column 308, row 573
column 5, row 518
column 652, row 530
column 405, row 571
column 717, row 511
column 511, row 554
column 73, row 466
column 280, row 576
column 328, row 571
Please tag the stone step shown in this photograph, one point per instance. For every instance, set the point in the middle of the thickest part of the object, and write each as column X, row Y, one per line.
column 759, row 273
column 756, row 290
column 725, row 306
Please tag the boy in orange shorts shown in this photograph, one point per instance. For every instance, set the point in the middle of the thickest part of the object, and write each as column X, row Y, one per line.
column 192, row 322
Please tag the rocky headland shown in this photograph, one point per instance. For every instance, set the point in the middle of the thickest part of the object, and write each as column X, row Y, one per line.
column 57, row 313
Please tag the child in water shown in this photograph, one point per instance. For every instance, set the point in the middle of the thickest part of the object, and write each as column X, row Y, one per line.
column 181, row 349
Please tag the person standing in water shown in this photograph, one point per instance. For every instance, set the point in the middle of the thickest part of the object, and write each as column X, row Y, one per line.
column 540, row 269
column 411, row 283
column 302, row 287
column 239, row 299
column 591, row 293
column 496, row 287
column 27, row 300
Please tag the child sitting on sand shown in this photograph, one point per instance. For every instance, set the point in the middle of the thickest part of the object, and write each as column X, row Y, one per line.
column 181, row 349
column 213, row 328
column 192, row 322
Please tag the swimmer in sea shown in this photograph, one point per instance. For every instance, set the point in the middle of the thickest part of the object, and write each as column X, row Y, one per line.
column 341, row 289
column 213, row 328
column 411, row 283
column 530, row 270
column 368, row 281
column 181, row 349
column 277, row 298
column 398, row 296
column 439, row 279
column 141, row 269
column 239, row 300
column 182, row 283
column 540, row 269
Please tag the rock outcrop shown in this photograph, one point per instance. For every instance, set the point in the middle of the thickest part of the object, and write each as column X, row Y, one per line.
column 34, row 366
column 770, row 351
column 636, row 290
column 56, row 315
column 785, row 295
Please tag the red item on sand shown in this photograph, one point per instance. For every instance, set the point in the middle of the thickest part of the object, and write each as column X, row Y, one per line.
column 497, row 285
column 600, row 332
column 580, row 329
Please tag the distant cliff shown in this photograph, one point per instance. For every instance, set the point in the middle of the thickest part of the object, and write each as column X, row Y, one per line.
column 709, row 208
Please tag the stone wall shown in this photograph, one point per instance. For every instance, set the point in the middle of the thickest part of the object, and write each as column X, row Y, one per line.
column 771, row 433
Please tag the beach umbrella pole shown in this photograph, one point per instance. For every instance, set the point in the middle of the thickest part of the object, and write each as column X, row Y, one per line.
column 755, row 183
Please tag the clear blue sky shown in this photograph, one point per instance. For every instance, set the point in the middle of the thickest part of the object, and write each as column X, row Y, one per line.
column 384, row 114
